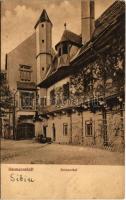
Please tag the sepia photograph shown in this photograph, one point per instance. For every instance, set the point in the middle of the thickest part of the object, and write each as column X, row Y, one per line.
column 62, row 82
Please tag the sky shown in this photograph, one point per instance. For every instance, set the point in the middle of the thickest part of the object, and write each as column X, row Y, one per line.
column 20, row 16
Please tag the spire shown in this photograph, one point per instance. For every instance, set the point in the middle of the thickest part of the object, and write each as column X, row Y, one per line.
column 43, row 18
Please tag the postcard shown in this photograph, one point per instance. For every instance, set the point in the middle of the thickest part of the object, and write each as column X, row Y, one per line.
column 62, row 99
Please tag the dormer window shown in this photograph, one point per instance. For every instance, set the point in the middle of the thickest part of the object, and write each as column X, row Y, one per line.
column 65, row 48
column 63, row 54
column 59, row 52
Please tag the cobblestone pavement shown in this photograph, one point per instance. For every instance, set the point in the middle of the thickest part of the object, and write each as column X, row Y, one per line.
column 31, row 152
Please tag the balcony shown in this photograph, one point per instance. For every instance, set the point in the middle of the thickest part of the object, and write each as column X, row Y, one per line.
column 79, row 100
column 59, row 107
column 26, row 85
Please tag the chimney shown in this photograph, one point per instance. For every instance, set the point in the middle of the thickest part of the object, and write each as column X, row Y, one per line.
column 87, row 19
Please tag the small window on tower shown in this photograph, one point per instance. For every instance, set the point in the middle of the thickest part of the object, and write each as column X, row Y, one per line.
column 42, row 25
column 42, row 41
column 42, row 68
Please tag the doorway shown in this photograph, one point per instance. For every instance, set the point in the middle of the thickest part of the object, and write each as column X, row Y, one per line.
column 54, row 132
column 45, row 131
column 25, row 131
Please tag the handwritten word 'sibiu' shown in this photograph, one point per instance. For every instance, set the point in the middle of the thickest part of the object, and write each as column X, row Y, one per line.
column 21, row 178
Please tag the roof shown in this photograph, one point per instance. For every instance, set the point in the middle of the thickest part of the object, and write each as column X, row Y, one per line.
column 106, row 21
column 43, row 18
column 108, row 17
column 106, row 24
column 69, row 36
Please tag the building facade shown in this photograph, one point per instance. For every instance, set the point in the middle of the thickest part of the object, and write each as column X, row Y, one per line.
column 75, row 93
column 85, row 87
column 21, row 75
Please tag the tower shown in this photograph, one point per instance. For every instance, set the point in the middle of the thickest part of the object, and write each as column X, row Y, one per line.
column 43, row 29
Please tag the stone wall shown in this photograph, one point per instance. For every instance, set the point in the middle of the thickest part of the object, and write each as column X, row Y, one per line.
column 76, row 128
column 58, row 123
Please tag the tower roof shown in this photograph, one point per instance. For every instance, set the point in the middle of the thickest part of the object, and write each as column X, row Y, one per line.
column 70, row 37
column 43, row 18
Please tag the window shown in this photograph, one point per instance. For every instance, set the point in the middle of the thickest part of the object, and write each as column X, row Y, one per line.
column 42, row 68
column 88, row 128
column 88, row 82
column 65, row 129
column 42, row 41
column 52, row 97
column 66, row 91
column 25, row 73
column 65, row 48
column 43, row 101
column 27, row 100
column 42, row 25
column 59, row 52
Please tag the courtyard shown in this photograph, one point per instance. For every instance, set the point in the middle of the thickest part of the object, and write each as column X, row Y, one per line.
column 31, row 152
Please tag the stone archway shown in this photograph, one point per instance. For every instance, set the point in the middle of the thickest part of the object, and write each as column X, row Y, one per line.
column 25, row 131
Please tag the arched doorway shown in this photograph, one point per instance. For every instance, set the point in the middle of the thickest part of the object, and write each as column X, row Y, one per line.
column 25, row 131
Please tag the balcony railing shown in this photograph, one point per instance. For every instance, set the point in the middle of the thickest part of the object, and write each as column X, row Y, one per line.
column 51, row 108
column 77, row 101
column 26, row 85
column 64, row 105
